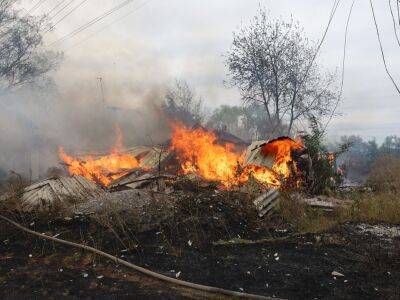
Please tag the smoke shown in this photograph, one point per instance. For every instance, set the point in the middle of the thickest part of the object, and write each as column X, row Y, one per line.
column 71, row 111
column 34, row 121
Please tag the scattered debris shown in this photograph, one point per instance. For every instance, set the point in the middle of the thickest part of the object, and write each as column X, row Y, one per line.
column 337, row 274
column 387, row 232
column 323, row 202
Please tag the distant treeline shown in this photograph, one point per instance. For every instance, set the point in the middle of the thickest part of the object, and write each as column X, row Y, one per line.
column 361, row 154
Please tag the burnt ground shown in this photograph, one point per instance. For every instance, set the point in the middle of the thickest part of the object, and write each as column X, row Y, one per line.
column 287, row 265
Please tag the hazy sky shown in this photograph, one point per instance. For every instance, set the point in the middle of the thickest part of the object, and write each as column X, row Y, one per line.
column 167, row 39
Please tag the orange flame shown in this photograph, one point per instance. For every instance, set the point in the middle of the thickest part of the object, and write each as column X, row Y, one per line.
column 102, row 169
column 199, row 153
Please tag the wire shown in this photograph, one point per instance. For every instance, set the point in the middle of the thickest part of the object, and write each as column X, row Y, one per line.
column 333, row 11
column 40, row 2
column 343, row 68
column 60, row 10
column 398, row 10
column 107, row 26
column 33, row 8
column 394, row 22
column 332, row 14
column 381, row 48
column 55, row 7
column 70, row 12
column 90, row 23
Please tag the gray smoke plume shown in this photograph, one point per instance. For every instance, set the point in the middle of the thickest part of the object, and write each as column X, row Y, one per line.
column 81, row 118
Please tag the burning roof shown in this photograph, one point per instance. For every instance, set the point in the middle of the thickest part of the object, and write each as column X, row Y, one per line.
column 194, row 151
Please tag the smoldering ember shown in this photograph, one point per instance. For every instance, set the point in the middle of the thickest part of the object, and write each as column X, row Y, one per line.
column 148, row 154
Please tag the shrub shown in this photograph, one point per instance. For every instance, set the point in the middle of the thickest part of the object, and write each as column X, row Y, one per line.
column 326, row 179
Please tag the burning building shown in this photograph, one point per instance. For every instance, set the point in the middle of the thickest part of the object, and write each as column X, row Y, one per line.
column 205, row 153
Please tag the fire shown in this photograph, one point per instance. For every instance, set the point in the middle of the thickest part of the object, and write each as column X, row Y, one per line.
column 199, row 152
column 281, row 149
column 101, row 169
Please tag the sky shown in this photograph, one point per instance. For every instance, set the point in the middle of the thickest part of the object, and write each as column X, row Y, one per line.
column 146, row 45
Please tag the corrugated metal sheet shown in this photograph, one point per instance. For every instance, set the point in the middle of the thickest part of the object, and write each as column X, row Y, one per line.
column 266, row 201
column 150, row 157
column 255, row 157
column 44, row 195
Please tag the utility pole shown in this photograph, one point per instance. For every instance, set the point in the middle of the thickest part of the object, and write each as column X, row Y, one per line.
column 100, row 79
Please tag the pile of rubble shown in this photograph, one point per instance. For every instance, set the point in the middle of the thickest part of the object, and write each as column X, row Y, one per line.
column 151, row 186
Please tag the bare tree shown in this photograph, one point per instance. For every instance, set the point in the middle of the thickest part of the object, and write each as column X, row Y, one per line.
column 272, row 63
column 181, row 103
column 22, row 57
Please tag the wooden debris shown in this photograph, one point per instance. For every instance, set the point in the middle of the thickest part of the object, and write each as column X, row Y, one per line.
column 288, row 238
column 324, row 202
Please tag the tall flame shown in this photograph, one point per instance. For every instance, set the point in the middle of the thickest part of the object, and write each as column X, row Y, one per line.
column 102, row 169
column 199, row 152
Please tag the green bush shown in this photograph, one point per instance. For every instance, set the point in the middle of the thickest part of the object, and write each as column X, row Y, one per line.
column 325, row 178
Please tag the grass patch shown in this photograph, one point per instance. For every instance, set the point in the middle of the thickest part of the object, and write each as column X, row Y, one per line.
column 304, row 218
column 376, row 208
column 384, row 175
column 367, row 207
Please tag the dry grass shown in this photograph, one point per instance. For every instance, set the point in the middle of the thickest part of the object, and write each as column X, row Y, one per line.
column 381, row 207
column 385, row 174
column 367, row 207
column 303, row 218
column 117, row 224
column 10, row 193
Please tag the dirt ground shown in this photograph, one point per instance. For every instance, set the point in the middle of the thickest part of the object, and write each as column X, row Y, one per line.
column 286, row 265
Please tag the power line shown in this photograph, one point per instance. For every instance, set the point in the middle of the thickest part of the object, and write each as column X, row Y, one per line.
column 107, row 26
column 55, row 7
column 343, row 68
column 381, row 48
column 398, row 11
column 332, row 14
column 394, row 21
column 70, row 12
column 92, row 22
column 40, row 2
column 333, row 11
column 60, row 10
